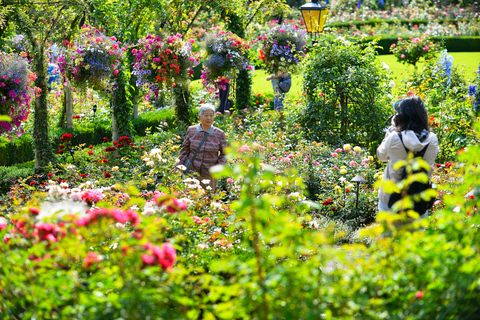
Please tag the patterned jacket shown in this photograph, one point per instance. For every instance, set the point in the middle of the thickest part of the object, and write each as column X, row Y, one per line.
column 211, row 153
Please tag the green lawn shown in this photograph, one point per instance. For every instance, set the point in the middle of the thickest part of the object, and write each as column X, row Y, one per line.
column 470, row 61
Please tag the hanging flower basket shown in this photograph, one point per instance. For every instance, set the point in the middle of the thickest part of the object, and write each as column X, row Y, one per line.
column 284, row 48
column 163, row 63
column 16, row 90
column 91, row 60
column 226, row 55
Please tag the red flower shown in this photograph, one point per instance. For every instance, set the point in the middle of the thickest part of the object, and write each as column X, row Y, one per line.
column 91, row 147
column 33, row 183
column 50, row 175
column 107, row 175
column 34, row 211
column 105, row 160
column 83, row 175
column 108, row 149
column 61, row 146
column 90, row 152
column 59, row 152
column 419, row 295
column 105, row 138
column 328, row 202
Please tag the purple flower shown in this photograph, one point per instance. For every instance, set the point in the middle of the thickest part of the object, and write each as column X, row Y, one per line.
column 12, row 94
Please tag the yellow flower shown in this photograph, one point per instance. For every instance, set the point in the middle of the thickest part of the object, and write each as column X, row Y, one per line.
column 357, row 148
column 343, row 167
column 115, row 168
column 370, row 158
column 343, row 171
column 347, row 147
column 337, row 189
column 175, row 148
column 87, row 66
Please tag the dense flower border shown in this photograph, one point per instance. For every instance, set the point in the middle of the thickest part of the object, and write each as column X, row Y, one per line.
column 16, row 88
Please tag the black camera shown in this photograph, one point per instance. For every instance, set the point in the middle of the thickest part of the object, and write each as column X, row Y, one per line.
column 396, row 106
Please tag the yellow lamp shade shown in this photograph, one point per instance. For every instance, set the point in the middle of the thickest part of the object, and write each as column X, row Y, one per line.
column 314, row 15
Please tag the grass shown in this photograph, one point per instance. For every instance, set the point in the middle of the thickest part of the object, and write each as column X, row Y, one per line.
column 469, row 60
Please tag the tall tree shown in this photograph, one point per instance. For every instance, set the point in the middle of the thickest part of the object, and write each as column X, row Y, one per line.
column 43, row 22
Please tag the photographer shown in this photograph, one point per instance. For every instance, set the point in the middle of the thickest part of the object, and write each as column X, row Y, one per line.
column 411, row 122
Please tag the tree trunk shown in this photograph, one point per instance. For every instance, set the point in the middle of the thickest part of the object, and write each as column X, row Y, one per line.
column 43, row 149
column 182, row 104
column 115, row 134
column 343, row 105
column 135, row 105
column 69, row 107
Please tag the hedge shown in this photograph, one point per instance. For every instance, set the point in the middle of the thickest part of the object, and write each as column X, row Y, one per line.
column 22, row 149
column 374, row 22
column 453, row 43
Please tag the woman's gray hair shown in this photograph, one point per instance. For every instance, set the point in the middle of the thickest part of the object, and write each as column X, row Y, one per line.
column 206, row 107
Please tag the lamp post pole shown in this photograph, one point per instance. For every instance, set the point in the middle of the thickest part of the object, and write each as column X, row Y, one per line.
column 357, row 179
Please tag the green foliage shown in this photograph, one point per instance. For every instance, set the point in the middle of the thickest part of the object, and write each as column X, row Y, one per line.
column 182, row 105
column 10, row 174
column 122, row 104
column 453, row 44
column 16, row 151
column 346, row 93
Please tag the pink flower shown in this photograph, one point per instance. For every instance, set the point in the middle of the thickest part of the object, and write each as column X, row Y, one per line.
column 335, row 167
column 244, row 148
column 90, row 259
column 273, row 158
column 115, row 72
column 206, row 219
column 338, row 150
column 147, row 259
column 17, row 81
column 402, row 56
column 416, row 40
column 352, row 163
column 134, row 51
column 426, row 48
column 334, row 154
column 316, row 163
column 169, row 256
column 291, row 155
column 12, row 94
column 419, row 295
column 98, row 39
column 230, row 180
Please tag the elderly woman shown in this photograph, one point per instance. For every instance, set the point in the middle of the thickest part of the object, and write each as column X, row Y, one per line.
column 211, row 153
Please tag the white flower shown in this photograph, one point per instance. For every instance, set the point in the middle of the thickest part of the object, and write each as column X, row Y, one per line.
column 206, row 181
column 64, row 185
column 71, row 167
column 181, row 167
column 209, row 188
column 203, row 246
column 150, row 163
column 56, row 210
column 391, row 84
column 155, row 151
column 385, row 66
column 216, row 205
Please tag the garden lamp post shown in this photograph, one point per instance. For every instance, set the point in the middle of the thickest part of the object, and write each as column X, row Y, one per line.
column 314, row 15
column 94, row 110
column 358, row 179
column 72, row 152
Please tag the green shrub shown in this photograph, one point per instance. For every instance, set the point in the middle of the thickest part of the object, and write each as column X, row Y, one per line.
column 453, row 44
column 12, row 173
column 346, row 91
